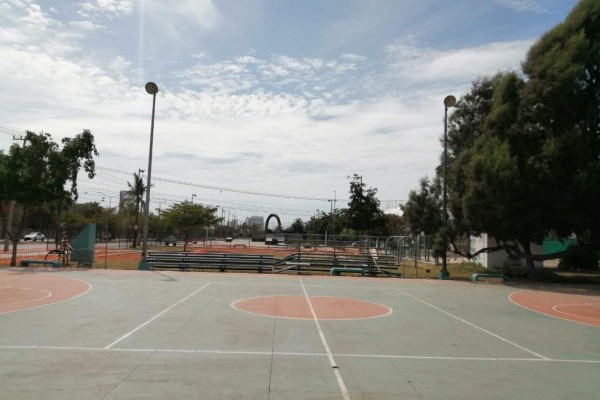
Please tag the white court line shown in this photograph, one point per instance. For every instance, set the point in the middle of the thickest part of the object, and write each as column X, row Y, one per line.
column 474, row 326
column 338, row 376
column 125, row 336
column 283, row 353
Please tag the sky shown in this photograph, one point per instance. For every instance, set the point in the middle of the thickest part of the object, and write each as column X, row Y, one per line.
column 264, row 106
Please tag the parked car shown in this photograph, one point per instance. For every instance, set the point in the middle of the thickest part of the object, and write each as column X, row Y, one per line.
column 34, row 236
column 170, row 240
column 229, row 239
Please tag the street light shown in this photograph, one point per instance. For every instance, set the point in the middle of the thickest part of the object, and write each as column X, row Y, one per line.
column 151, row 88
column 193, row 195
column 449, row 101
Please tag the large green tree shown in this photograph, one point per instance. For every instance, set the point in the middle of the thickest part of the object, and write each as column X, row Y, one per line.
column 363, row 214
column 534, row 165
column 562, row 104
column 42, row 174
column 188, row 217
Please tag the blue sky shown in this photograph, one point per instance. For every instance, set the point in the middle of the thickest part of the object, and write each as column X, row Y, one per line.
column 279, row 97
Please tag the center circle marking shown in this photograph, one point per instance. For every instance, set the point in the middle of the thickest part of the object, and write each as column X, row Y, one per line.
column 298, row 307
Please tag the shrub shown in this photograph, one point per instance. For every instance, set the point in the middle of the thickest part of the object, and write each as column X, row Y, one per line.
column 579, row 258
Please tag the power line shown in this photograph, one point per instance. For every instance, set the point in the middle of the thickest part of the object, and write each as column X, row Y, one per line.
column 223, row 189
column 10, row 132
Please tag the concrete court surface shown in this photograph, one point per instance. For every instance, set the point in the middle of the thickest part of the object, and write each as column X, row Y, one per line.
column 176, row 335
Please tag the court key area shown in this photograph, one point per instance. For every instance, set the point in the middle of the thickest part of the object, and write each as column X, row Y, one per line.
column 102, row 334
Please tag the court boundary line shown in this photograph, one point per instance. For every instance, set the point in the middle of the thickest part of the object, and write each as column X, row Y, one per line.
column 474, row 326
column 298, row 354
column 543, row 313
column 125, row 336
column 334, row 365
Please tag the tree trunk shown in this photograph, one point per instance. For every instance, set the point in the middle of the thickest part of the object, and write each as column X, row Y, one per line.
column 13, row 258
column 8, row 226
column 137, row 220
column 527, row 250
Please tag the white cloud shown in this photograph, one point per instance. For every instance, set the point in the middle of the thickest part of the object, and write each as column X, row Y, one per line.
column 108, row 8
column 412, row 63
column 119, row 64
column 27, row 27
column 246, row 72
column 86, row 25
column 522, row 5
column 170, row 15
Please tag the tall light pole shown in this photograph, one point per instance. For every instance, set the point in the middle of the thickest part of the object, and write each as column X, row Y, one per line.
column 449, row 101
column 193, row 195
column 151, row 88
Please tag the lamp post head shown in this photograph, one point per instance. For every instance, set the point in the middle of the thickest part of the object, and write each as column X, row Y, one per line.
column 151, row 88
column 449, row 101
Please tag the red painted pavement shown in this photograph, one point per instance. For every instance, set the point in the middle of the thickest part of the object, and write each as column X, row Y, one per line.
column 326, row 308
column 573, row 307
column 23, row 290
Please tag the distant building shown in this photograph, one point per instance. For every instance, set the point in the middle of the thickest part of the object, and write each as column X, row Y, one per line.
column 256, row 221
column 126, row 200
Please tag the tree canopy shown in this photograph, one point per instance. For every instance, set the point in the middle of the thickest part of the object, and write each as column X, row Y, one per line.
column 42, row 174
column 524, row 147
column 188, row 217
column 363, row 212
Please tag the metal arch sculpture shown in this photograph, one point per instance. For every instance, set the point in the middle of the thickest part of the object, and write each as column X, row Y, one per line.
column 278, row 222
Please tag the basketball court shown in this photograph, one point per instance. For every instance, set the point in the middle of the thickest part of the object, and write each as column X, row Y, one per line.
column 102, row 334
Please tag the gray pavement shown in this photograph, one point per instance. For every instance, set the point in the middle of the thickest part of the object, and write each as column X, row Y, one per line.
column 175, row 335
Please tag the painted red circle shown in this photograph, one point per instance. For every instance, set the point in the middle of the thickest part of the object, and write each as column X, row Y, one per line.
column 299, row 307
column 23, row 290
column 573, row 307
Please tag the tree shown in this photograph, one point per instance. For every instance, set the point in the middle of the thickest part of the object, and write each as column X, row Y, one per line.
column 137, row 189
column 79, row 215
column 188, row 217
column 536, row 168
column 35, row 176
column 297, row 226
column 423, row 213
column 562, row 103
column 423, row 209
column 467, row 121
column 363, row 213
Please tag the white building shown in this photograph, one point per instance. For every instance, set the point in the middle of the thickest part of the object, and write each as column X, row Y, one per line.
column 498, row 259
column 257, row 221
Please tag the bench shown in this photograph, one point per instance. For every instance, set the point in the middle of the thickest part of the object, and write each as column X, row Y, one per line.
column 339, row 271
column 204, row 261
column 475, row 277
column 27, row 263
